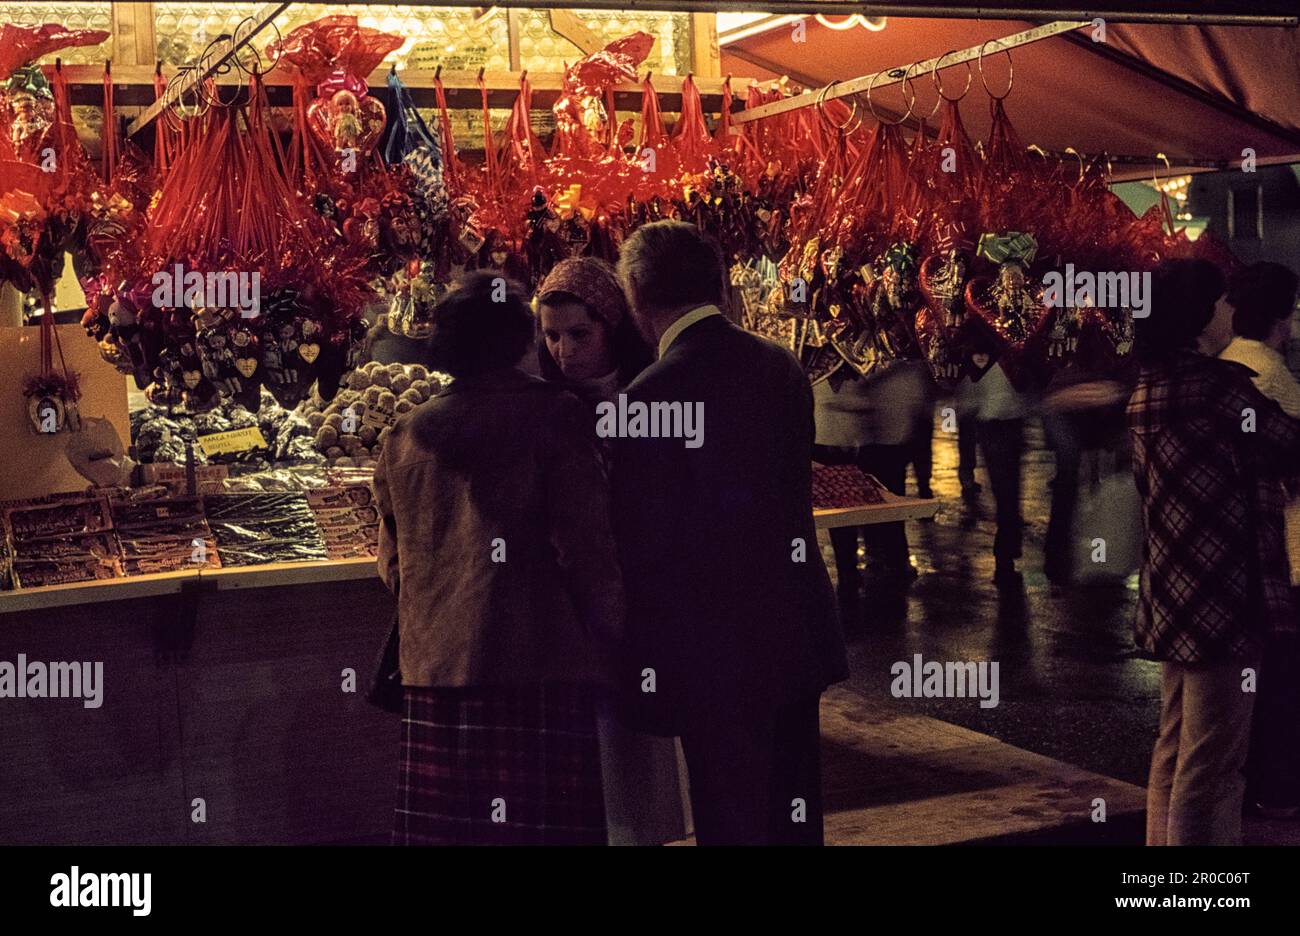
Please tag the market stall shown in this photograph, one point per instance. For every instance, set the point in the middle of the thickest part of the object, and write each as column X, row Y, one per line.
column 253, row 218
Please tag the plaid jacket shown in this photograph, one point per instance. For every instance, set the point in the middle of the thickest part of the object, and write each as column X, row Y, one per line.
column 1214, row 576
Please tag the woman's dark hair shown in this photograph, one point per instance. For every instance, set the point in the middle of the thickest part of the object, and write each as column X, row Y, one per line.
column 482, row 324
column 631, row 354
column 1183, row 294
column 1261, row 295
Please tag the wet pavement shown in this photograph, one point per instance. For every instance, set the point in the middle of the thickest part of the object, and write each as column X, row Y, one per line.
column 1072, row 685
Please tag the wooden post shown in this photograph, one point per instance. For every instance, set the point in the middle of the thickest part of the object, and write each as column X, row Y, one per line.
column 565, row 24
column 512, row 32
column 706, row 60
column 133, row 37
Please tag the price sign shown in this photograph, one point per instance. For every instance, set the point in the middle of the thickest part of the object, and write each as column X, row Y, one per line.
column 236, row 440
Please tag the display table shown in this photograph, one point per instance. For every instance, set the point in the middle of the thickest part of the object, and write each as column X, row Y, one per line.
column 209, row 692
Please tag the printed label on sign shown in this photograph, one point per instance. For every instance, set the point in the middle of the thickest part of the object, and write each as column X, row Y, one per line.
column 236, row 440
column 377, row 419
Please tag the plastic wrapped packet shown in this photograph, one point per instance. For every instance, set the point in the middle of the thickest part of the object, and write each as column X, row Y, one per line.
column 253, row 529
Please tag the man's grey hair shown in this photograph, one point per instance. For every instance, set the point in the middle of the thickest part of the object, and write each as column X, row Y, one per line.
column 669, row 265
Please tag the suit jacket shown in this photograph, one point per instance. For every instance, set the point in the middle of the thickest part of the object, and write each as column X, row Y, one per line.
column 718, row 606
column 496, row 539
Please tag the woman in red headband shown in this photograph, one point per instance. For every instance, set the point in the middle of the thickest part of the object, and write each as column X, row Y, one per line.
column 587, row 335
column 588, row 340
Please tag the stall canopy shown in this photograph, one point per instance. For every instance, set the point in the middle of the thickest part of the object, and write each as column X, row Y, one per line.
column 1201, row 95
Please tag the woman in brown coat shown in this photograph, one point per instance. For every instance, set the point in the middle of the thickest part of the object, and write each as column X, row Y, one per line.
column 496, row 541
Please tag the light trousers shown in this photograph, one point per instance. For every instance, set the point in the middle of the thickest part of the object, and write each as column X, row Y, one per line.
column 1195, row 789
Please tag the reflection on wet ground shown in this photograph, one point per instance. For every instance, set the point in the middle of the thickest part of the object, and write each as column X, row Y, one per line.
column 1072, row 684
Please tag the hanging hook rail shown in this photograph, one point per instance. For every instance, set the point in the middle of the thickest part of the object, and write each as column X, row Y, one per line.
column 889, row 76
column 210, row 65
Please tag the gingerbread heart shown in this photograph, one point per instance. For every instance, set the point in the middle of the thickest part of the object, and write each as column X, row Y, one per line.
column 246, row 366
column 1009, row 308
column 191, row 378
column 941, row 352
column 309, row 351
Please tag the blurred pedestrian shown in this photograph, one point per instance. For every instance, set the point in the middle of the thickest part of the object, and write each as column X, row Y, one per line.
column 872, row 422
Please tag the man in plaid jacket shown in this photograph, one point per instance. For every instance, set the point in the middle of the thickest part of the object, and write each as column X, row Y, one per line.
column 1208, row 451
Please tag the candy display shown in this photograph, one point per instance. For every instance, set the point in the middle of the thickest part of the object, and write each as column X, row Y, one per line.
column 835, row 486
column 252, row 529
column 160, row 436
column 350, row 429
column 348, row 520
column 163, row 535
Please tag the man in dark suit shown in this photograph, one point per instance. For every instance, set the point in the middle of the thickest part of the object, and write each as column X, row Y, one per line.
column 732, row 628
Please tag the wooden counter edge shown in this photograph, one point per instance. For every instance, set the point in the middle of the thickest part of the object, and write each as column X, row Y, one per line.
column 343, row 570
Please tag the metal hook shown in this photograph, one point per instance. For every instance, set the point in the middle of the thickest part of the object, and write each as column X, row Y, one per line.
column 481, row 69
column 437, row 72
column 934, row 76
column 872, row 108
column 907, row 82
column 1011, row 71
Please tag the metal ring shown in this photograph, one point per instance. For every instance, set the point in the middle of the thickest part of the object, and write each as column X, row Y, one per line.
column 1011, row 71
column 176, row 105
column 907, row 81
column 938, row 85
column 1079, row 156
column 872, row 108
column 821, row 108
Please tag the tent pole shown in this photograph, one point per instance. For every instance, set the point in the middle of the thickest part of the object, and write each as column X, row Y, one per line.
column 893, row 75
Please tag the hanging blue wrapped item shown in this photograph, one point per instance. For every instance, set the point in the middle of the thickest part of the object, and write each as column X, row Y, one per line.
column 410, row 143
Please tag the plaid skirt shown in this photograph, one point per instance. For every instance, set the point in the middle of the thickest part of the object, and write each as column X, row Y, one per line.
column 501, row 766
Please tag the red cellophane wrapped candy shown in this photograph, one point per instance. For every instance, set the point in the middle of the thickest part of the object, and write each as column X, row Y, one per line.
column 40, row 137
column 238, row 283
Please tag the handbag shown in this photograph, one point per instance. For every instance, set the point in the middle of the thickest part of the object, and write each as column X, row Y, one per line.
column 385, row 689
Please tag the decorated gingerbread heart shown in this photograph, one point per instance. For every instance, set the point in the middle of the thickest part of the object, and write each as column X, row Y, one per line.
column 1008, row 305
column 345, row 119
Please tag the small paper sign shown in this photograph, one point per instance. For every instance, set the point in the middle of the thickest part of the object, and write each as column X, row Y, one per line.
column 377, row 419
column 236, row 440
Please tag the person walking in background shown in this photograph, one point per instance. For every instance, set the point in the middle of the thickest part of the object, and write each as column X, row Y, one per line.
column 590, row 345
column 871, row 422
column 731, row 625
column 987, row 398
column 495, row 538
column 1208, row 450
column 1263, row 297
column 921, row 450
